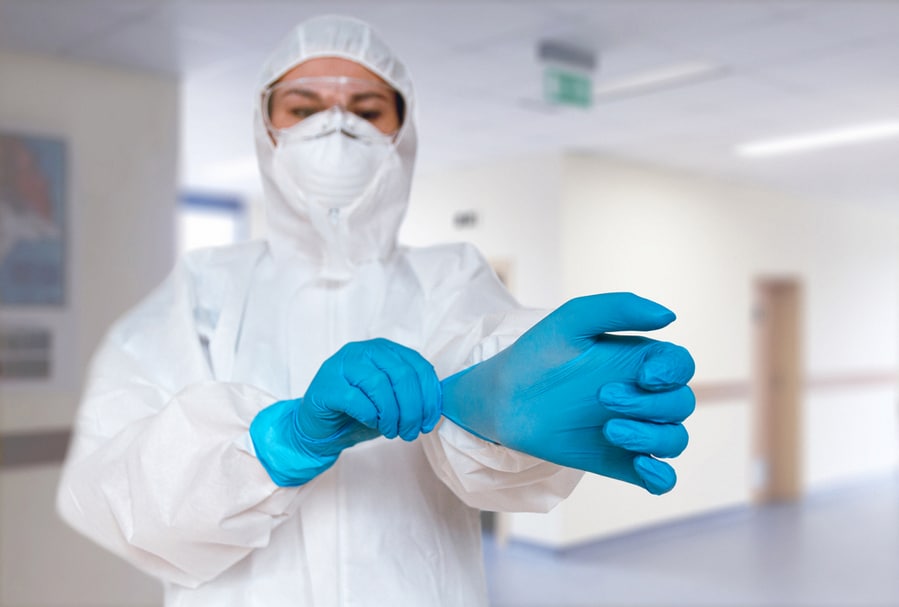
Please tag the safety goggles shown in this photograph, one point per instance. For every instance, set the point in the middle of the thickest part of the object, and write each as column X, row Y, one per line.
column 286, row 105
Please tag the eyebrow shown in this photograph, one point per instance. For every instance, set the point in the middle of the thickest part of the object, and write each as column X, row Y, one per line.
column 369, row 95
column 355, row 98
column 303, row 93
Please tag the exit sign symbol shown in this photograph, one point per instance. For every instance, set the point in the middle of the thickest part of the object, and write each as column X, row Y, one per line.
column 563, row 87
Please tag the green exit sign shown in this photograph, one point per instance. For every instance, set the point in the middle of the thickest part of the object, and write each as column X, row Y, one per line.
column 562, row 87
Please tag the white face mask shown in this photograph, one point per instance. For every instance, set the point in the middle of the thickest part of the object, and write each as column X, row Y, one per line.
column 332, row 157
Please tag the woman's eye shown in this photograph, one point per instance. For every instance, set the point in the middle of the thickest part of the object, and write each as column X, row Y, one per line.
column 369, row 115
column 303, row 112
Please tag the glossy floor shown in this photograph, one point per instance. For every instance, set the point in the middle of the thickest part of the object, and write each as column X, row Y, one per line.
column 839, row 548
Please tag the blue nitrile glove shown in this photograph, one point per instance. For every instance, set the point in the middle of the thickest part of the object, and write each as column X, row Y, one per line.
column 365, row 390
column 568, row 392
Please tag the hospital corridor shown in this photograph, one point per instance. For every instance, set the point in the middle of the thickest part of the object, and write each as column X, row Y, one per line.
column 515, row 304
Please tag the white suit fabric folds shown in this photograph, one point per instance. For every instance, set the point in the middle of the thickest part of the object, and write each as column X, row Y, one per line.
column 162, row 472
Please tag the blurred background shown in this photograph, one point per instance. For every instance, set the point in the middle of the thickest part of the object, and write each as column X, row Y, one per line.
column 737, row 161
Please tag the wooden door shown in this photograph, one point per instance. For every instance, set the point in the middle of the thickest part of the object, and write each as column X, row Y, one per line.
column 778, row 391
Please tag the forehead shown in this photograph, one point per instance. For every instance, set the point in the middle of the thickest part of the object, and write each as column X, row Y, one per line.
column 330, row 66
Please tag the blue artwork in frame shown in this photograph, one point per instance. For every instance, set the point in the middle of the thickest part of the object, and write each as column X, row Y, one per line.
column 32, row 221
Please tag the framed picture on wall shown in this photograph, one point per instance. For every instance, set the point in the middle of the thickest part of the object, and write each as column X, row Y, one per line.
column 32, row 221
column 33, row 245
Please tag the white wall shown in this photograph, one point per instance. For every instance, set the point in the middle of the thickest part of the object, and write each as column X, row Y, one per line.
column 517, row 204
column 121, row 134
column 697, row 244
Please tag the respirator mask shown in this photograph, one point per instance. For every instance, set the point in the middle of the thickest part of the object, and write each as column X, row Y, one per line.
column 332, row 135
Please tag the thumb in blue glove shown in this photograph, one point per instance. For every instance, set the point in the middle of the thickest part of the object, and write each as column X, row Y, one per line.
column 367, row 389
column 569, row 392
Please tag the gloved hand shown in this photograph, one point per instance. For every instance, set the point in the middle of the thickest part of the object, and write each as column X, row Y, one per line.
column 366, row 389
column 568, row 392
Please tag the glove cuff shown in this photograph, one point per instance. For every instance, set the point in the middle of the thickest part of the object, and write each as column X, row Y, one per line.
column 289, row 457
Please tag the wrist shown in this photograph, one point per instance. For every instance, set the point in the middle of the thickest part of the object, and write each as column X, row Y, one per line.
column 288, row 458
column 464, row 404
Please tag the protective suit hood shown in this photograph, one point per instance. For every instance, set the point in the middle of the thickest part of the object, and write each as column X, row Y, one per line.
column 337, row 240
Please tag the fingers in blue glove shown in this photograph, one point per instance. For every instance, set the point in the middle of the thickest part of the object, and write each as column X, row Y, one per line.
column 638, row 469
column 401, row 388
column 416, row 387
column 657, row 477
column 430, row 391
column 591, row 315
column 381, row 409
column 660, row 440
column 662, row 407
column 665, row 367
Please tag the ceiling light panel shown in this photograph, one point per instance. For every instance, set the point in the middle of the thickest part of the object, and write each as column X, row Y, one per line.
column 851, row 135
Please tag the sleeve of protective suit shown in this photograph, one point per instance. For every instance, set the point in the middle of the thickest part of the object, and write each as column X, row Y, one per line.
column 479, row 319
column 160, row 470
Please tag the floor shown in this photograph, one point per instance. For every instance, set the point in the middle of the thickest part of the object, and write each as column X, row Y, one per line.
column 836, row 548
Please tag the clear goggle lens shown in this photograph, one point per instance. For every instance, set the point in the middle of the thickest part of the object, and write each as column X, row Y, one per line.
column 288, row 104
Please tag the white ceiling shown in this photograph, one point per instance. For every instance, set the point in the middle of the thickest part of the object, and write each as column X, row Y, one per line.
column 781, row 68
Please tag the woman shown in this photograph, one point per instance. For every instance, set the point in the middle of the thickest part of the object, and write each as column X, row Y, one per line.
column 234, row 438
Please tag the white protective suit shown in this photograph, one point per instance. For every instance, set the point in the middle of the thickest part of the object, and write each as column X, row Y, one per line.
column 162, row 471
